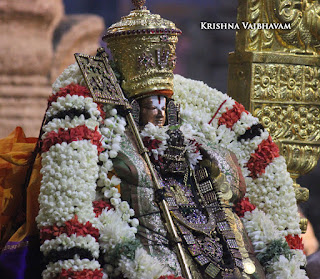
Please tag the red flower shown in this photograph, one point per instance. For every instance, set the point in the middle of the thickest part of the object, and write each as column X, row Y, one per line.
column 151, row 144
column 96, row 139
column 231, row 116
column 81, row 274
column 170, row 277
column 102, row 112
column 263, row 156
column 71, row 89
column 70, row 227
column 294, row 242
column 76, row 134
column 243, row 206
column 75, row 89
column 73, row 134
column 196, row 144
column 98, row 206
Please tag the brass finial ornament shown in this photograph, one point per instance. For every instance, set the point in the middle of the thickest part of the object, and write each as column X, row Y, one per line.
column 139, row 4
column 143, row 48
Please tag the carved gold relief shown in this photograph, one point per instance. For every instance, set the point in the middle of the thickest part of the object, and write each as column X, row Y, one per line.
column 275, row 73
column 303, row 225
column 312, row 84
column 290, row 122
column 286, row 82
column 312, row 18
column 302, row 17
column 265, row 82
column 291, row 81
column 301, row 157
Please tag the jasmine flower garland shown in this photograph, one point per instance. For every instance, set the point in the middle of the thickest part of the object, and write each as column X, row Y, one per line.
column 68, row 123
column 75, row 102
column 67, row 242
column 77, row 135
column 269, row 187
column 69, row 169
column 54, row 269
column 68, row 183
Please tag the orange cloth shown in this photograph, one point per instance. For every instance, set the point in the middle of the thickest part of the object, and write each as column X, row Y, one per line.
column 15, row 158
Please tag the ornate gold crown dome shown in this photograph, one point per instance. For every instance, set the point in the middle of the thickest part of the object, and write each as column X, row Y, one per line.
column 143, row 47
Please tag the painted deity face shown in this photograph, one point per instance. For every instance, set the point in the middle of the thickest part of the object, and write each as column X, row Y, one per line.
column 153, row 110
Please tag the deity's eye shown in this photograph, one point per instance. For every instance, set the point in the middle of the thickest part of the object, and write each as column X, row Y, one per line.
column 151, row 107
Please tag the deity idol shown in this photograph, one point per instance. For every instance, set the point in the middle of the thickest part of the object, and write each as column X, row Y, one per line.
column 99, row 213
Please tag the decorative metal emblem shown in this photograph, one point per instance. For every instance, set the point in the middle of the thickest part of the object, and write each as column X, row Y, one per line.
column 212, row 270
column 173, row 112
column 146, row 60
column 135, row 111
column 100, row 79
column 162, row 57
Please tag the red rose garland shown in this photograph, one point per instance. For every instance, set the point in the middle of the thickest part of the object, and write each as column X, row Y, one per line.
column 99, row 206
column 72, row 134
column 231, row 116
column 151, row 143
column 70, row 227
column 262, row 157
column 243, row 206
column 82, row 274
column 295, row 242
column 74, row 89
column 71, row 89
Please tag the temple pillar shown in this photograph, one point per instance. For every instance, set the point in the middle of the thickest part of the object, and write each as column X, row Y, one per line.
column 33, row 53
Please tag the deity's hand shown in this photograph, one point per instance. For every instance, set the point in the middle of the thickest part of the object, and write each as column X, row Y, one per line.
column 221, row 184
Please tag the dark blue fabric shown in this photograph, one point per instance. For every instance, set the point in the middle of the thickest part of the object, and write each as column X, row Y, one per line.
column 21, row 260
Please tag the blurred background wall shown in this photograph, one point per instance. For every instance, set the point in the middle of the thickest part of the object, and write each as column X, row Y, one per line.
column 37, row 42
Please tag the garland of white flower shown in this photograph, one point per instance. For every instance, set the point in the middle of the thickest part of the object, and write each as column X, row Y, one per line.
column 67, row 187
column 276, row 214
column 53, row 269
column 68, row 190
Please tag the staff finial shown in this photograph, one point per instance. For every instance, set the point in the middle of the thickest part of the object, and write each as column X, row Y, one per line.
column 139, row 4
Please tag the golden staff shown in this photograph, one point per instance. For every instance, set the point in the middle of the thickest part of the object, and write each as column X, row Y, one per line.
column 104, row 88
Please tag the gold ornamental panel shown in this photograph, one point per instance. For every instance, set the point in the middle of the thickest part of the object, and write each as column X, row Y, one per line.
column 289, row 121
column 282, row 82
column 275, row 73
column 279, row 25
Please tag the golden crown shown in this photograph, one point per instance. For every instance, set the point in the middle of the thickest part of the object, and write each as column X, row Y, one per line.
column 143, row 47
